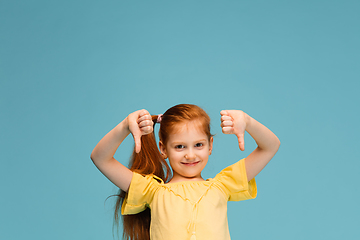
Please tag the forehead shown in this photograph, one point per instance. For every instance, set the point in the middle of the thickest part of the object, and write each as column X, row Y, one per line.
column 194, row 125
column 190, row 129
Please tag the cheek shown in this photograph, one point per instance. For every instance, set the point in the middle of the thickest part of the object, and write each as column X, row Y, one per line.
column 174, row 156
column 206, row 154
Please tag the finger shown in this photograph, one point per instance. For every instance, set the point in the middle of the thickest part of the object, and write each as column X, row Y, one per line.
column 227, row 124
column 227, row 130
column 144, row 118
column 145, row 123
column 224, row 112
column 226, row 118
column 146, row 130
column 143, row 112
column 146, row 126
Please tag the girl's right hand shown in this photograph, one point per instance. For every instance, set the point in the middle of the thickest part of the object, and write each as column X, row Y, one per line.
column 139, row 123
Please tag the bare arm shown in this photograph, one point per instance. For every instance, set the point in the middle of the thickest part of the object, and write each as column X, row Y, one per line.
column 237, row 122
column 138, row 124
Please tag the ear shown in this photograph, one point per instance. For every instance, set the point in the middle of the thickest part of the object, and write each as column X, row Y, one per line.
column 211, row 145
column 162, row 149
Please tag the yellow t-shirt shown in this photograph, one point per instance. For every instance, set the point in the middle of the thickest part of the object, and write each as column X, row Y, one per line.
column 195, row 210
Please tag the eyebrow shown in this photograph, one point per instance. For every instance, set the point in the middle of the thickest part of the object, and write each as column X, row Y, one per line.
column 201, row 140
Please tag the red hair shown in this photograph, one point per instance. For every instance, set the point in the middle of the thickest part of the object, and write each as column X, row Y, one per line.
column 150, row 161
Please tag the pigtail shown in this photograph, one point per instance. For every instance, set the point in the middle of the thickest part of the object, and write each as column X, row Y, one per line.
column 147, row 161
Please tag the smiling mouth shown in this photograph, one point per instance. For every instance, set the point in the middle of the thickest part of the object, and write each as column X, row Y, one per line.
column 190, row 164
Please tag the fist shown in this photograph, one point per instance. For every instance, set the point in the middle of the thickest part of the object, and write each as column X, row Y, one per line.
column 140, row 123
column 233, row 122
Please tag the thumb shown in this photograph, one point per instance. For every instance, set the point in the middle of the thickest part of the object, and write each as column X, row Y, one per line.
column 135, row 131
column 241, row 142
column 137, row 139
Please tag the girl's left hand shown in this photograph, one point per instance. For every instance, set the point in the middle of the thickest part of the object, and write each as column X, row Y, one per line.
column 234, row 122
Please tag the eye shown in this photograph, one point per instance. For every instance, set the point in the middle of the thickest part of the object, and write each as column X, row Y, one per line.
column 179, row 146
column 199, row 145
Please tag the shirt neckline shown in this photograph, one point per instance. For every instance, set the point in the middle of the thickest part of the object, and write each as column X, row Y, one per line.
column 188, row 182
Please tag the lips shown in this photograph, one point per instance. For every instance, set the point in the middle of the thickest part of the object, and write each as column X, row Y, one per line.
column 190, row 164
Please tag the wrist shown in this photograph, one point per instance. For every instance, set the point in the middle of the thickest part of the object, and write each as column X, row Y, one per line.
column 247, row 121
column 125, row 123
column 123, row 126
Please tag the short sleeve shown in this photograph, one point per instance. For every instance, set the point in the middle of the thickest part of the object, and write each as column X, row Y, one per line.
column 140, row 194
column 233, row 181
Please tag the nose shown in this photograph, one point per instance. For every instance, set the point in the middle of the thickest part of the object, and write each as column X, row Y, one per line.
column 190, row 155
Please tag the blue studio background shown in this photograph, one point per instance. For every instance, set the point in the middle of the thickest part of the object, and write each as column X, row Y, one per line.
column 71, row 70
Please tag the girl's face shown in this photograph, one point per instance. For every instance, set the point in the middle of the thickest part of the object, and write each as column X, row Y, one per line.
column 188, row 150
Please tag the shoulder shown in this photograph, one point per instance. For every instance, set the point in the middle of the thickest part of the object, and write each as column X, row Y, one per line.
column 150, row 179
column 144, row 186
column 140, row 193
column 234, row 182
column 235, row 170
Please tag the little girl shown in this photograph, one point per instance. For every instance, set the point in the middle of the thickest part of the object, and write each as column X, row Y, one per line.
column 186, row 206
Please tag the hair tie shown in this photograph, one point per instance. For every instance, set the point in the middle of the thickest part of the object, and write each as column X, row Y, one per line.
column 159, row 118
